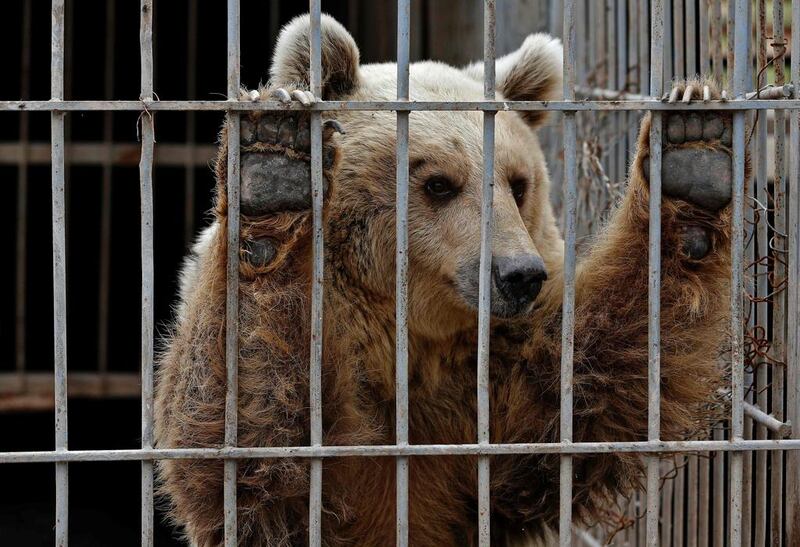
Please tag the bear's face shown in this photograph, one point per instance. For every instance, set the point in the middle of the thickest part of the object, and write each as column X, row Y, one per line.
column 445, row 178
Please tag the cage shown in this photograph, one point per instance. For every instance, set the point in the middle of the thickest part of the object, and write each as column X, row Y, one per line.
column 129, row 184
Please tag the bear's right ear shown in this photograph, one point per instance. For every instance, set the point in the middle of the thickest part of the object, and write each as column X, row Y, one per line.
column 534, row 72
column 340, row 57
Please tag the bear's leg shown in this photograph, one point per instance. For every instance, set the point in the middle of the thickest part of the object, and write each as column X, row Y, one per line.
column 274, row 319
column 611, row 326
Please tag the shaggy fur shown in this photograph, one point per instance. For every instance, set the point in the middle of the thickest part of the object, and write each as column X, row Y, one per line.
column 610, row 390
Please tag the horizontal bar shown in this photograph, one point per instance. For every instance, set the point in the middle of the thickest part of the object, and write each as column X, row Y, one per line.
column 770, row 92
column 767, row 420
column 402, row 106
column 100, row 153
column 508, row 449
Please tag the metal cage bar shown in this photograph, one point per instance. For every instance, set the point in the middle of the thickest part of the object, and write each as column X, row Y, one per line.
column 485, row 274
column 401, row 276
column 59, row 270
column 20, row 356
column 148, row 271
column 232, row 279
column 568, row 305
column 315, row 376
column 651, row 104
column 739, row 88
column 793, row 346
column 654, row 271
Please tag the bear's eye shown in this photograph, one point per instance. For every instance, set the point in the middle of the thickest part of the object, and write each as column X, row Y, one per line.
column 518, row 189
column 440, row 187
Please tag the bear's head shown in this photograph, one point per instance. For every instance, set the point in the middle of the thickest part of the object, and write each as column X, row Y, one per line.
column 445, row 179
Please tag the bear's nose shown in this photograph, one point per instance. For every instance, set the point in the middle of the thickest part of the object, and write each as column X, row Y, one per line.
column 519, row 278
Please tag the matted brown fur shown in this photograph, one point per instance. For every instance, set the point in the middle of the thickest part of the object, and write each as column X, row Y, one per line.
column 610, row 390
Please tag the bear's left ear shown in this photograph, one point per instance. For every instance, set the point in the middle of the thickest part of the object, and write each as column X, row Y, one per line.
column 340, row 57
column 532, row 73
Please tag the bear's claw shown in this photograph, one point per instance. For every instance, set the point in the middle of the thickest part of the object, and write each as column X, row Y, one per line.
column 696, row 162
column 276, row 147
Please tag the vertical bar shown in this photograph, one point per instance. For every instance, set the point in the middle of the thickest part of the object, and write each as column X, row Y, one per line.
column 146, row 190
column 22, row 202
column 762, row 289
column 59, row 270
column 704, row 36
column 613, row 118
column 718, row 495
column 779, row 317
column 691, row 37
column 644, row 47
column 731, row 39
column 654, row 271
column 703, row 499
column 103, row 286
column 485, row 277
column 740, row 86
column 679, row 517
column 793, row 345
column 692, row 502
column 191, row 123
column 568, row 304
column 716, row 39
column 678, row 38
column 667, row 518
column 315, row 378
column 622, row 74
column 401, row 276
column 232, row 282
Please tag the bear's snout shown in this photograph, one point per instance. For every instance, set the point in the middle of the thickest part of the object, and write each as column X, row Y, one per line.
column 516, row 282
column 518, row 278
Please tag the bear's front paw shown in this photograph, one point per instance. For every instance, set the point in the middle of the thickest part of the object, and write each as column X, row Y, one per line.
column 696, row 161
column 276, row 147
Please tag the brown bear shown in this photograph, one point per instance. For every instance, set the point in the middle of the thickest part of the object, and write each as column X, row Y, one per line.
column 610, row 356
